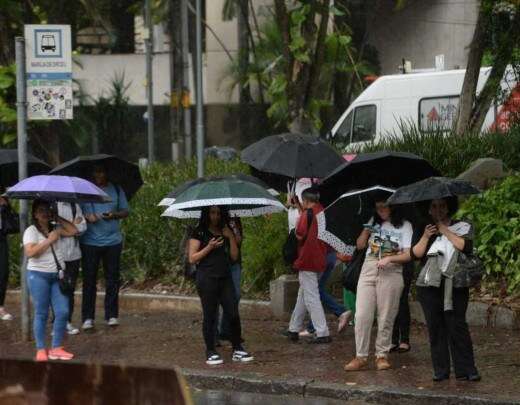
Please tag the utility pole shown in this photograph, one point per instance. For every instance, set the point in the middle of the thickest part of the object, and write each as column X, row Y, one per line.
column 148, row 41
column 186, row 90
column 176, row 71
column 200, row 101
column 21, row 115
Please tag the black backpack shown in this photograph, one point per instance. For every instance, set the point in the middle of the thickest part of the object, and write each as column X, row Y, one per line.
column 353, row 270
column 189, row 270
column 290, row 247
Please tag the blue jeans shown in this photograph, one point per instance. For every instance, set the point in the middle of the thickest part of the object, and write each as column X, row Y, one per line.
column 328, row 301
column 236, row 274
column 45, row 293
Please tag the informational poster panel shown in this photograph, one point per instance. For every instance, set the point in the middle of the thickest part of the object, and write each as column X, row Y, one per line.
column 48, row 56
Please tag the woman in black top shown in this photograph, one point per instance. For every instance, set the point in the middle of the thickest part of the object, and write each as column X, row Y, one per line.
column 448, row 330
column 213, row 248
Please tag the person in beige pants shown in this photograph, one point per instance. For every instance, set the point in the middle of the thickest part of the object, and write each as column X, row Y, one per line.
column 387, row 238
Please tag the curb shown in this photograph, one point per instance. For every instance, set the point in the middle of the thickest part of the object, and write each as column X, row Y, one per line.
column 257, row 383
column 478, row 313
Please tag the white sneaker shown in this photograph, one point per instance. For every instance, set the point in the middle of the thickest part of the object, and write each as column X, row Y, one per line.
column 113, row 322
column 71, row 330
column 305, row 333
column 88, row 324
column 343, row 320
column 6, row 317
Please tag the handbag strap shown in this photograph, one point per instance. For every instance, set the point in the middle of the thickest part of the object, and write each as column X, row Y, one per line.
column 58, row 265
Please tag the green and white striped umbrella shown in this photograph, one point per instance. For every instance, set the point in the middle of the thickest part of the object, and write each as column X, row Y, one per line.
column 242, row 198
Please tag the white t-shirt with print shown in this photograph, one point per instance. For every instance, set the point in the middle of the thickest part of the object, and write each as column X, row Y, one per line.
column 45, row 261
column 387, row 240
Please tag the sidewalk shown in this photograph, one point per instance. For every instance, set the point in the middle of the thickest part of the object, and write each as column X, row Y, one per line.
column 167, row 338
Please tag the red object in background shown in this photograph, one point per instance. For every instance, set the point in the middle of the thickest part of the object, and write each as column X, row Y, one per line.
column 510, row 108
column 349, row 156
column 370, row 78
column 343, row 258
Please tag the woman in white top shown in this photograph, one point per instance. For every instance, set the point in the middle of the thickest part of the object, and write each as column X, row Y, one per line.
column 39, row 241
column 387, row 238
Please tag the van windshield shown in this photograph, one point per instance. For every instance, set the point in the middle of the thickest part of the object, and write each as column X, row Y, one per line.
column 344, row 131
column 364, row 128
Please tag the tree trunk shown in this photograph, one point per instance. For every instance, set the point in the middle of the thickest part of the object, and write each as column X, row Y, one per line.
column 469, row 87
column 243, row 65
column 506, row 47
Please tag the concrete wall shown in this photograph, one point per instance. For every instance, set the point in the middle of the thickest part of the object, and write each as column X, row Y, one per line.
column 421, row 30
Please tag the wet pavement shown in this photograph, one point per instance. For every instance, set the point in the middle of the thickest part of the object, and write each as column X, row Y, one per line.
column 165, row 339
column 243, row 398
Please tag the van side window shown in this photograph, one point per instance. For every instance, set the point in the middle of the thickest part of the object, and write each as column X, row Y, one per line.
column 364, row 128
column 438, row 113
column 345, row 130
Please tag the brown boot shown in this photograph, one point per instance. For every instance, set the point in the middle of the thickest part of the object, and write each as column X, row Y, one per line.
column 382, row 363
column 357, row 364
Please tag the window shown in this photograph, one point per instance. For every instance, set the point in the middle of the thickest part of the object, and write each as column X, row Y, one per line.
column 364, row 128
column 438, row 113
column 344, row 131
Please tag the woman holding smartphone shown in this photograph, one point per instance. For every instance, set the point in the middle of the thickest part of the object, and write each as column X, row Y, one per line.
column 213, row 248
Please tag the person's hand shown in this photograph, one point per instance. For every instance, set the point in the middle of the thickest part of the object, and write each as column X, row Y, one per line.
column 3, row 201
column 92, row 218
column 430, row 230
column 53, row 236
column 215, row 243
column 385, row 261
column 78, row 220
column 442, row 228
column 227, row 233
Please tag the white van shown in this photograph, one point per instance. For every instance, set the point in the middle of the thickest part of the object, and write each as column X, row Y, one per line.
column 426, row 100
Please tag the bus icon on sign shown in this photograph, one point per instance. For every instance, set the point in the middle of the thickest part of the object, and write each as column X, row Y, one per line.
column 48, row 43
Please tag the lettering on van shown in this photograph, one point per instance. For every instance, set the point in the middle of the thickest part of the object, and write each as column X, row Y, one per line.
column 438, row 113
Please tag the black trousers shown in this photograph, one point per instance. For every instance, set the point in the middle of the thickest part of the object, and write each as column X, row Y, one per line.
column 92, row 258
column 72, row 269
column 401, row 332
column 448, row 330
column 212, row 292
column 4, row 268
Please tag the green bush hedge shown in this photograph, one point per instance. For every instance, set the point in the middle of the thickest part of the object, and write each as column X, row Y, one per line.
column 496, row 217
column 452, row 154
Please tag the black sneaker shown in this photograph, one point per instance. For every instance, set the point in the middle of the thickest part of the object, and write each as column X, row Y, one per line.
column 440, row 377
column 293, row 336
column 242, row 356
column 213, row 359
column 470, row 377
column 321, row 340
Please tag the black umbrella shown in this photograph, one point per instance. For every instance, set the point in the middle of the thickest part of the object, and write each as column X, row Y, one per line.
column 340, row 224
column 389, row 169
column 291, row 156
column 9, row 167
column 431, row 189
column 172, row 195
column 119, row 171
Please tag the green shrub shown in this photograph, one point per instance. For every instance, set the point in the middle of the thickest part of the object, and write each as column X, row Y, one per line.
column 496, row 217
column 452, row 154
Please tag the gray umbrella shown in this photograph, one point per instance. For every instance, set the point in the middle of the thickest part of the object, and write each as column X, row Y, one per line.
column 431, row 189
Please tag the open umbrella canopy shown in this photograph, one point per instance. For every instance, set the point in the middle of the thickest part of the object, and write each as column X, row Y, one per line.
column 57, row 188
column 119, row 171
column 9, row 167
column 291, row 156
column 242, row 198
column 172, row 195
column 388, row 169
column 340, row 224
column 431, row 189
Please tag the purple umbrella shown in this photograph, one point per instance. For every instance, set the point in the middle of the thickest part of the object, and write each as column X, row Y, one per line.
column 57, row 188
